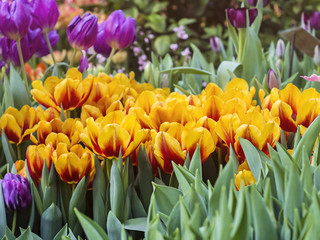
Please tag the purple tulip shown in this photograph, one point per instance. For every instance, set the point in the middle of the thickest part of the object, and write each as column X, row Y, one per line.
column 29, row 45
column 82, row 32
column 280, row 48
column 84, row 64
column 254, row 2
column 16, row 192
column 15, row 18
column 216, row 44
column 42, row 48
column 45, row 15
column 313, row 19
column 273, row 80
column 237, row 17
column 120, row 32
column 100, row 46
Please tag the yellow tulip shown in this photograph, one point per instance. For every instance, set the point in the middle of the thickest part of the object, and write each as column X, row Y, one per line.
column 245, row 178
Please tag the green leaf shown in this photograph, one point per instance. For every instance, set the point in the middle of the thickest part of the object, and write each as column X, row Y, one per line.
column 92, row 230
column 165, row 198
column 7, row 97
column 37, row 198
column 196, row 162
column 18, row 89
column 186, row 21
column 26, row 235
column 308, row 140
column 9, row 234
column 117, row 197
column 223, row 72
column 51, row 222
column 113, row 226
column 316, row 178
column 77, row 201
column 162, row 44
column 99, row 194
column 188, row 70
column 145, row 177
column 263, row 226
column 62, row 232
column 252, row 156
column 136, row 224
column 3, row 218
column 7, row 149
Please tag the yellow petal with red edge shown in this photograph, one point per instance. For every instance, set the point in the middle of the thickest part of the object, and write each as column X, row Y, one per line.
column 44, row 129
column 235, row 105
column 74, row 74
column 226, row 128
column 113, row 117
column 20, row 167
column 111, row 138
column 131, row 124
column 308, row 112
column 115, row 106
column 145, row 100
column 284, row 112
column 269, row 134
column 174, row 129
column 42, row 96
column 290, row 95
column 212, row 107
column 69, row 93
column 202, row 137
column 11, row 128
column 142, row 117
column 93, row 131
column 140, row 137
column 167, row 149
column 49, row 84
column 90, row 111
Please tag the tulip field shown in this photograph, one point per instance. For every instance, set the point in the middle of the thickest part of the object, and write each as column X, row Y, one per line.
column 159, row 119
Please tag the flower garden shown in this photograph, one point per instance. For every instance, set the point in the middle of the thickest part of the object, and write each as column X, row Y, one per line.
column 159, row 119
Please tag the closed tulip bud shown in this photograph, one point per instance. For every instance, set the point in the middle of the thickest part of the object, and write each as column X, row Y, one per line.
column 84, row 64
column 100, row 46
column 82, row 32
column 316, row 56
column 45, row 15
column 254, row 2
column 280, row 48
column 273, row 80
column 313, row 19
column 15, row 18
column 119, row 32
column 16, row 192
column 216, row 44
column 237, row 17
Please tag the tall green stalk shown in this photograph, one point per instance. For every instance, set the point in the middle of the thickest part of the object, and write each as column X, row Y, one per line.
column 107, row 68
column 23, row 66
column 50, row 47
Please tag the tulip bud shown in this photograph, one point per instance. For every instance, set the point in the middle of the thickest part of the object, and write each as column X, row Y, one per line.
column 45, row 15
column 82, row 32
column 216, row 44
column 316, row 56
column 84, row 64
column 15, row 18
column 273, row 80
column 100, row 46
column 148, row 69
column 313, row 19
column 16, row 192
column 254, row 2
column 280, row 48
column 119, row 32
column 237, row 17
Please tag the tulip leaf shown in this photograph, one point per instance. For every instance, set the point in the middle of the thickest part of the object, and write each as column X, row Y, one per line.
column 113, row 226
column 99, row 194
column 188, row 70
column 7, row 149
column 92, row 230
column 136, row 206
column 117, row 196
column 165, row 198
column 25, row 235
column 77, row 201
column 63, row 232
column 7, row 98
column 223, row 72
column 174, row 219
column 9, row 235
column 308, row 140
column 3, row 219
column 162, row 44
column 145, row 176
column 293, row 194
column 51, row 222
column 36, row 197
column 18, row 89
column 196, row 162
column 263, row 226
column 136, row 224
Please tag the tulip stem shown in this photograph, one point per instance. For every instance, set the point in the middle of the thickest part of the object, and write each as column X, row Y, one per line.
column 241, row 31
column 14, row 220
column 50, row 48
column 107, row 68
column 23, row 68
column 73, row 57
column 19, row 152
column 92, row 57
